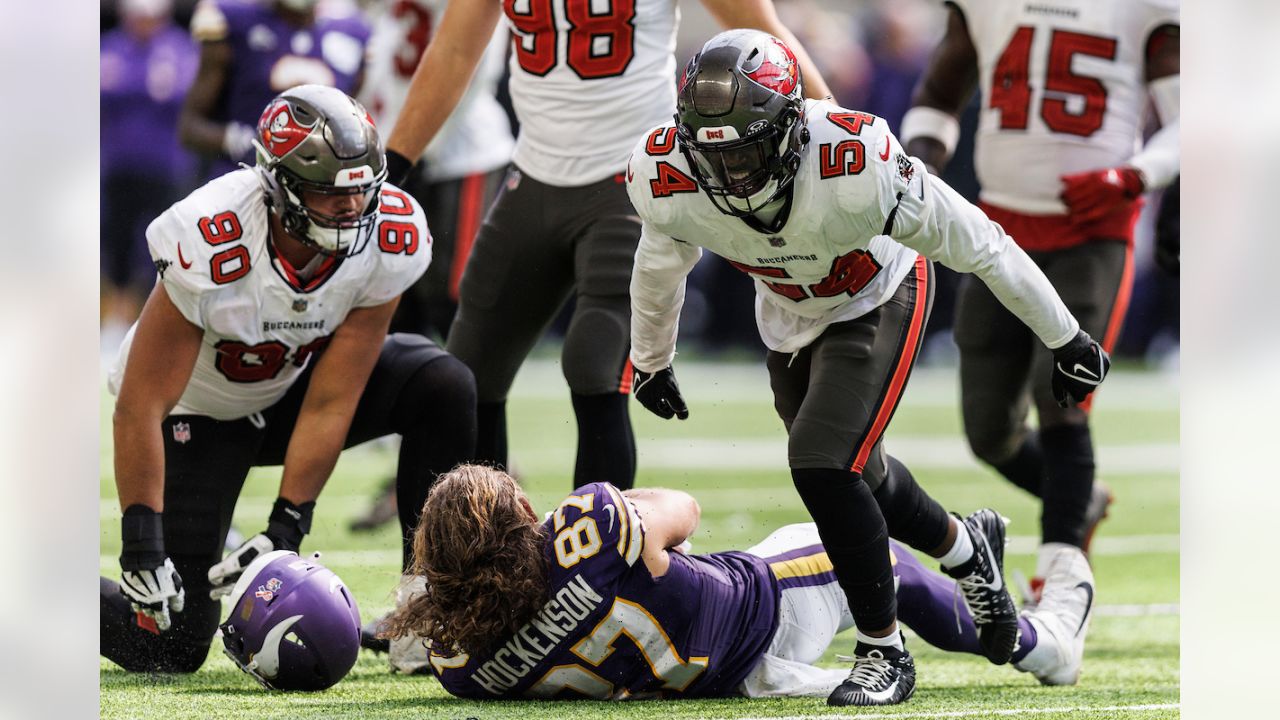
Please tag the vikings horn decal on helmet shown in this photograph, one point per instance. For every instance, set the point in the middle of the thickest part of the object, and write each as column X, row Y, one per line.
column 293, row 624
column 315, row 139
column 740, row 119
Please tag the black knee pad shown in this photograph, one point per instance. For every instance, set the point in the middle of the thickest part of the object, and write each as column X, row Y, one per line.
column 596, row 345
column 444, row 387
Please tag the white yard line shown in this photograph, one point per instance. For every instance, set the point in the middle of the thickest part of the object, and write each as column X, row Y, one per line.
column 880, row 713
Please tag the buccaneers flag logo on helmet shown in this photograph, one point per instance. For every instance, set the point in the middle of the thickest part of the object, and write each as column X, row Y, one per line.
column 280, row 131
column 777, row 71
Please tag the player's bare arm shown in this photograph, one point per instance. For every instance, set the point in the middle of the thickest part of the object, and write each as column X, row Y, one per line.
column 164, row 351
column 330, row 403
column 670, row 517
column 930, row 129
column 196, row 128
column 761, row 15
column 454, row 53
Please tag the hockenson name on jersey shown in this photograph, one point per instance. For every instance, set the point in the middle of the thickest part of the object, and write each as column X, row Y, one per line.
column 559, row 618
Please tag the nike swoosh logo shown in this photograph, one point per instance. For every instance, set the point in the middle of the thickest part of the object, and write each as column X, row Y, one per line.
column 885, row 155
column 1090, row 378
column 884, row 694
column 610, row 509
column 995, row 568
column 1088, row 608
column 181, row 260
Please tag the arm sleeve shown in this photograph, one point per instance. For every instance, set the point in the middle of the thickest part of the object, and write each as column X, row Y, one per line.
column 1159, row 158
column 657, row 294
column 937, row 222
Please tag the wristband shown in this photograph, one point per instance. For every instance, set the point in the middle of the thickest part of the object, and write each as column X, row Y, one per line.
column 921, row 121
column 141, row 538
column 289, row 522
column 398, row 167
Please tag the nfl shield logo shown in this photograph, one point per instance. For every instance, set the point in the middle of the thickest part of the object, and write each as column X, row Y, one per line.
column 181, row 432
column 300, row 305
column 777, row 241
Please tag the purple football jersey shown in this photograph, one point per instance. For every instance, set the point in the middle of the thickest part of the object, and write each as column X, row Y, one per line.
column 143, row 83
column 269, row 56
column 611, row 630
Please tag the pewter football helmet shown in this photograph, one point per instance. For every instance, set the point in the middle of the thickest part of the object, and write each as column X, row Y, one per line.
column 740, row 119
column 316, row 139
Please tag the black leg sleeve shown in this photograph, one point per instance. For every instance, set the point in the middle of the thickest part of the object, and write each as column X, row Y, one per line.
column 1068, row 453
column 910, row 514
column 491, row 438
column 606, row 444
column 1026, row 468
column 856, row 539
column 436, row 415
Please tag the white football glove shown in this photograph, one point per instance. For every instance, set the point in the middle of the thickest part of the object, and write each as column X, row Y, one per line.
column 224, row 575
column 155, row 592
column 237, row 141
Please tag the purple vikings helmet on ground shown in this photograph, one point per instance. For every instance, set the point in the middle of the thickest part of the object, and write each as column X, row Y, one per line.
column 294, row 625
column 315, row 139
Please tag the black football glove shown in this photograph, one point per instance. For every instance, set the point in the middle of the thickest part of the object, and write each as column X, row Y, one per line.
column 398, row 167
column 147, row 576
column 1078, row 369
column 286, row 527
column 660, row 394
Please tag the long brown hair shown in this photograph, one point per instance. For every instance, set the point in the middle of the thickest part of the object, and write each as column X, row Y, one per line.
column 481, row 551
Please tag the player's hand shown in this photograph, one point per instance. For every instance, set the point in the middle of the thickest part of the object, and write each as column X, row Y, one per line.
column 398, row 167
column 660, row 394
column 286, row 527
column 147, row 576
column 1091, row 196
column 1078, row 369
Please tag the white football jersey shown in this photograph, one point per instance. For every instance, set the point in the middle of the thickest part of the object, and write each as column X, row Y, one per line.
column 587, row 78
column 833, row 259
column 1063, row 91
column 477, row 136
column 212, row 250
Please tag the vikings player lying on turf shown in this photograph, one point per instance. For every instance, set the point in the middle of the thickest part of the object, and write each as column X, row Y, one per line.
column 593, row 602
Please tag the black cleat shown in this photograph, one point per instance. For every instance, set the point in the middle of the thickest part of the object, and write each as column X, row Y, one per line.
column 981, row 581
column 369, row 639
column 880, row 676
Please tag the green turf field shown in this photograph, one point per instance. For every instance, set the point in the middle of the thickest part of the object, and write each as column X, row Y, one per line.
column 731, row 455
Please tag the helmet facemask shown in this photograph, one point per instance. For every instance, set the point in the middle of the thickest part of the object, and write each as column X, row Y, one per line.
column 743, row 175
column 338, row 235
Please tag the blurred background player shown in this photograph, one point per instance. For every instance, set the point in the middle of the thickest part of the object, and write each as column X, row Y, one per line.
column 454, row 180
column 518, row 607
column 264, row 342
column 1064, row 90
column 252, row 50
column 585, row 84
column 147, row 64
column 838, row 228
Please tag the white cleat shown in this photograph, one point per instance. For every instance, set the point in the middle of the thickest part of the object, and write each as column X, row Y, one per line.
column 1061, row 619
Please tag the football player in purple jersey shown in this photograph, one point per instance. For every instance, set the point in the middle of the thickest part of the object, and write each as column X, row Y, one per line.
column 598, row 601
column 251, row 51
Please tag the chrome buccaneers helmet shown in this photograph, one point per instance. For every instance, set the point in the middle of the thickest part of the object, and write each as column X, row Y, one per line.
column 293, row 624
column 316, row 139
column 740, row 119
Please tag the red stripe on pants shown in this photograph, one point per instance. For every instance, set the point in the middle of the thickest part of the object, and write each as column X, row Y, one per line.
column 470, row 205
column 902, row 370
column 1119, row 309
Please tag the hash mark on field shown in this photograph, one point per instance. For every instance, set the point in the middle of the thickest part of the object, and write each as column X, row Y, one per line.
column 986, row 713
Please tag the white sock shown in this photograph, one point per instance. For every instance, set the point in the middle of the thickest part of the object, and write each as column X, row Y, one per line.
column 893, row 639
column 1045, row 557
column 961, row 552
column 1044, row 655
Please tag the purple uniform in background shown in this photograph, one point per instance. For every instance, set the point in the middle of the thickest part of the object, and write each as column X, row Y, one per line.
column 143, row 83
column 270, row 56
column 610, row 630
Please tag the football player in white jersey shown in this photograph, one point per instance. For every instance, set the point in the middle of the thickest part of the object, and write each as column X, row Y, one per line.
column 586, row 79
column 264, row 343
column 1065, row 84
column 454, row 180
column 834, row 223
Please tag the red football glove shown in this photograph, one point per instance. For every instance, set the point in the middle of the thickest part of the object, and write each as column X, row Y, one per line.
column 1091, row 196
